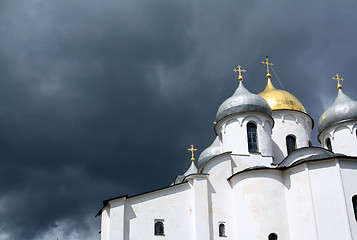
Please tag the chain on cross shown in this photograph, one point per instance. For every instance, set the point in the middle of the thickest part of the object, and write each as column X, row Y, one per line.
column 339, row 86
column 192, row 154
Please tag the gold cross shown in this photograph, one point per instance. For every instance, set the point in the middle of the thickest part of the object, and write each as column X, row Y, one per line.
column 267, row 63
column 239, row 70
column 192, row 149
column 339, row 86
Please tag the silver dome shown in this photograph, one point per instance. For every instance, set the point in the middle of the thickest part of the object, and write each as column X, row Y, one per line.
column 191, row 170
column 210, row 152
column 242, row 101
column 343, row 109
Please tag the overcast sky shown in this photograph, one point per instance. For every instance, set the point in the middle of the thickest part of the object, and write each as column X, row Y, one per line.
column 103, row 98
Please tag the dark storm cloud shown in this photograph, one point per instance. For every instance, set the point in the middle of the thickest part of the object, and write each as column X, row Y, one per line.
column 102, row 99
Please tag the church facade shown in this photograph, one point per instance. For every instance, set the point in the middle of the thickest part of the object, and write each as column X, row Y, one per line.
column 260, row 179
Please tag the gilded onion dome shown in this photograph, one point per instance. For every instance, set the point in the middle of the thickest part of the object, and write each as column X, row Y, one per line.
column 242, row 101
column 343, row 109
column 209, row 153
column 279, row 99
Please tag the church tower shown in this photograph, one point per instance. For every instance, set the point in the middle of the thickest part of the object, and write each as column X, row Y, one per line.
column 293, row 126
column 338, row 124
column 243, row 124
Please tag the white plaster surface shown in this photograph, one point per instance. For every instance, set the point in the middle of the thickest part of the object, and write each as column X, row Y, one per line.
column 343, row 138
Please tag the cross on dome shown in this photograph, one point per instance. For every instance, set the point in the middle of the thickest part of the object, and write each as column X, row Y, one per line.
column 339, row 86
column 268, row 64
column 191, row 150
column 239, row 70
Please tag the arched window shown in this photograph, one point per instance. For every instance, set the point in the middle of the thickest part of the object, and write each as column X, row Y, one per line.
column 159, row 228
column 310, row 143
column 290, row 143
column 354, row 204
column 328, row 144
column 273, row 236
column 222, row 230
column 252, row 137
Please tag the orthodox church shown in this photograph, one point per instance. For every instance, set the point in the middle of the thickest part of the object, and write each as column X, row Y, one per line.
column 260, row 179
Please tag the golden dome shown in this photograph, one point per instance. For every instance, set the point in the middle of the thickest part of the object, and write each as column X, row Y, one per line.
column 281, row 100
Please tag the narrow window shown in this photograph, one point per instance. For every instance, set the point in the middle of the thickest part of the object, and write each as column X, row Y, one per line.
column 252, row 137
column 290, row 143
column 310, row 143
column 354, row 204
column 273, row 236
column 222, row 230
column 328, row 144
column 159, row 228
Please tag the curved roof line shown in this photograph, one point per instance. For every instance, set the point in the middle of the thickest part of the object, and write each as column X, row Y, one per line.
column 301, row 161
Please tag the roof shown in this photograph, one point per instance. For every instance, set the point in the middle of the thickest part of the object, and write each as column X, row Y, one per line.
column 242, row 101
column 314, row 158
column 106, row 202
column 343, row 109
column 280, row 99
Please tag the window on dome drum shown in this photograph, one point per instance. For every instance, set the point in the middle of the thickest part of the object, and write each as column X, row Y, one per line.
column 159, row 228
column 273, row 236
column 222, row 230
column 290, row 143
column 252, row 137
column 328, row 144
column 354, row 204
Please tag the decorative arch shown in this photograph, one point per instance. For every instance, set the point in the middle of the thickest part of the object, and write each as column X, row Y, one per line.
column 309, row 123
column 251, row 118
column 267, row 126
column 341, row 127
column 289, row 117
column 278, row 116
column 231, row 121
column 302, row 121
column 327, row 135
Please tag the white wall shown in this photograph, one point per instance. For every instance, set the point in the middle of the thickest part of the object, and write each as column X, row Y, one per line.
column 241, row 162
column 289, row 122
column 349, row 178
column 315, row 200
column 328, row 199
column 259, row 205
column 299, row 205
column 343, row 138
column 105, row 223
column 233, row 132
column 220, row 196
column 172, row 205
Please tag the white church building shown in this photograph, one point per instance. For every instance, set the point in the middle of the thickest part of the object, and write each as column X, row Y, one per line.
column 261, row 179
